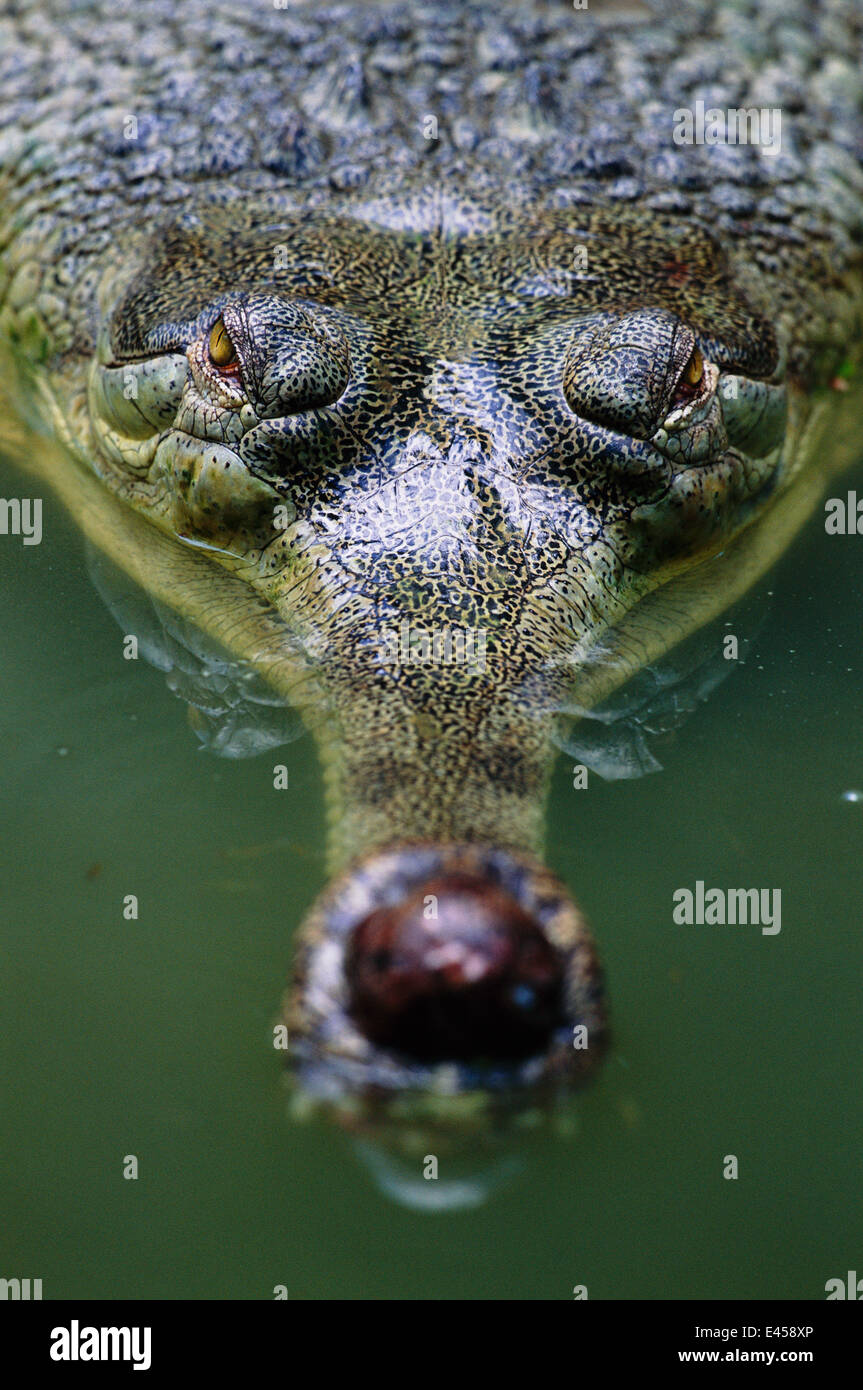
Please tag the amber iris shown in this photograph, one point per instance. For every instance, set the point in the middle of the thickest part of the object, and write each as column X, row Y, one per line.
column 694, row 369
column 223, row 354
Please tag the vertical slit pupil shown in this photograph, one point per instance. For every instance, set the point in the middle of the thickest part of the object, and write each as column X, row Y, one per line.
column 222, row 350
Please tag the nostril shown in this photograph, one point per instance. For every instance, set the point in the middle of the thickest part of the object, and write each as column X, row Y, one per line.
column 455, row 970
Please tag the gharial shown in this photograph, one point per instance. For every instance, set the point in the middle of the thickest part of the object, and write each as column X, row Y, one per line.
column 413, row 353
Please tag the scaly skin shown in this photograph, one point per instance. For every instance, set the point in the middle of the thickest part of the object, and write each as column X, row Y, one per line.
column 469, row 280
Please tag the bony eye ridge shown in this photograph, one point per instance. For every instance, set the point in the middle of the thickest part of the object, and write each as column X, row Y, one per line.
column 223, row 354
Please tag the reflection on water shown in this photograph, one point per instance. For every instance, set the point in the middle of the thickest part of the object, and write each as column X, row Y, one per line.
column 425, row 1190
column 233, row 711
column 618, row 738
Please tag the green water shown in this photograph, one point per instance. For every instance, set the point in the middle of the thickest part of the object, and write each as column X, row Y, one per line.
column 153, row 1037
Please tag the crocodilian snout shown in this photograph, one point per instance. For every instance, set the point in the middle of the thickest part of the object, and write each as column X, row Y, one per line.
column 427, row 966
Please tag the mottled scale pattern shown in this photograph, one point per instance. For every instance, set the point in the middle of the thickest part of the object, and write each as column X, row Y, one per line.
column 508, row 360
column 573, row 105
column 471, row 438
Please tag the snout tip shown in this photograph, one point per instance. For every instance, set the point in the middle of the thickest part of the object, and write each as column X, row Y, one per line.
column 466, row 956
column 455, row 970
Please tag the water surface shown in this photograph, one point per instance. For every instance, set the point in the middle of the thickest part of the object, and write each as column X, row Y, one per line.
column 153, row 1037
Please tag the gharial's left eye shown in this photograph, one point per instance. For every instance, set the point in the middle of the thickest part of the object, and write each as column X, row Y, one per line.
column 223, row 354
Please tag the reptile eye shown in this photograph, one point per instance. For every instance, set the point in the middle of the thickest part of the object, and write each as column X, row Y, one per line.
column 694, row 369
column 690, row 383
column 223, row 354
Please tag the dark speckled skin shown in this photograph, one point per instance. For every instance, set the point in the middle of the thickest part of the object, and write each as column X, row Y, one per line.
column 464, row 266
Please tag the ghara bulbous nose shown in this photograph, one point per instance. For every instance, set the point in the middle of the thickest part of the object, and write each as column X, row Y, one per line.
column 456, row 969
column 438, row 964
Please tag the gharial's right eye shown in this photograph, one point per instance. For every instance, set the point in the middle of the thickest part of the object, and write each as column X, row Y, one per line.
column 622, row 371
column 694, row 369
column 223, row 354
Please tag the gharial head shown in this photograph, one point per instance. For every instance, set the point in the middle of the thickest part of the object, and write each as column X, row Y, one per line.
column 451, row 443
